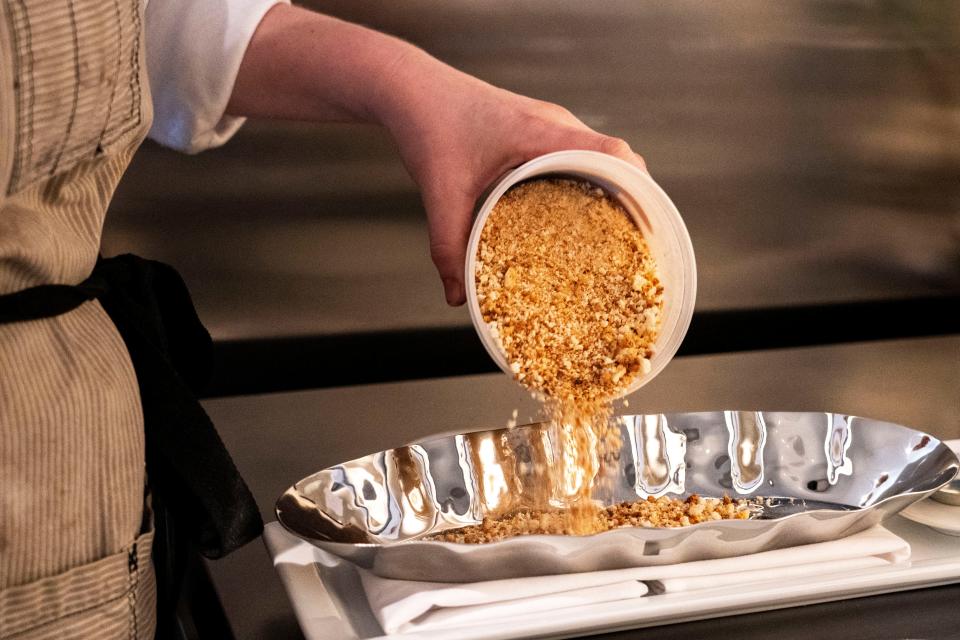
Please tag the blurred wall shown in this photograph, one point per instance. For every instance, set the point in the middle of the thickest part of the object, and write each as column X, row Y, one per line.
column 812, row 147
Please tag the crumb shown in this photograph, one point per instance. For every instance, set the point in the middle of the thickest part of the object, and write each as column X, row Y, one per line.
column 662, row 512
column 569, row 289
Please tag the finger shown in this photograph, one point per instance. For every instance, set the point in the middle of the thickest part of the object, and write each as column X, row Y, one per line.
column 589, row 140
column 619, row 148
column 640, row 162
column 449, row 218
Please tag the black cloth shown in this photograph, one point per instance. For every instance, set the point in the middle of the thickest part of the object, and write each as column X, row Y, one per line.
column 199, row 499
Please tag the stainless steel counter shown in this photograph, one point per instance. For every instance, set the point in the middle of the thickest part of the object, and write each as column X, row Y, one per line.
column 913, row 382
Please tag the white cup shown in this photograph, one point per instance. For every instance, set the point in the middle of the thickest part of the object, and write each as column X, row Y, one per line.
column 654, row 214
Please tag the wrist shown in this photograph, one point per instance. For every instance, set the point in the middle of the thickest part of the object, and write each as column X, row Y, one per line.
column 404, row 83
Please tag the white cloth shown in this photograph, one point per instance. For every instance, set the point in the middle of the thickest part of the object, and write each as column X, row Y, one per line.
column 193, row 50
column 402, row 606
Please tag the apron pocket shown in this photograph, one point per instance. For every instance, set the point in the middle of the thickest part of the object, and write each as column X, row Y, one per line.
column 114, row 597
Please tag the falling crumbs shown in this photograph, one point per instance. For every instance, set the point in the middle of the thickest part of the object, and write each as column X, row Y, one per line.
column 570, row 292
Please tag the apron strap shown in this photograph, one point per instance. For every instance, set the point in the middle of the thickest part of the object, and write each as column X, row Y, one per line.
column 46, row 301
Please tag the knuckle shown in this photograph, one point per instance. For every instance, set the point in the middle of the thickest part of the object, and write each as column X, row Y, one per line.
column 615, row 146
column 532, row 121
column 556, row 110
column 544, row 116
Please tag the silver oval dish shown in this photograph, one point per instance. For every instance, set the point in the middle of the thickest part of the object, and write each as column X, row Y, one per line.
column 820, row 476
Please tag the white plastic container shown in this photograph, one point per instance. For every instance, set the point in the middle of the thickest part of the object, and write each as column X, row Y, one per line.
column 654, row 214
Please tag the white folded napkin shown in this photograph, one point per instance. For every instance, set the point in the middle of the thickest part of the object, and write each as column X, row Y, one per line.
column 403, row 606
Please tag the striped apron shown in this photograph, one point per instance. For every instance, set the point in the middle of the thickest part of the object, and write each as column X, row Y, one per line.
column 75, row 537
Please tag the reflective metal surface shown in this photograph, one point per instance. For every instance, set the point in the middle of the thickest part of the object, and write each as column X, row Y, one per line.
column 820, row 475
column 950, row 492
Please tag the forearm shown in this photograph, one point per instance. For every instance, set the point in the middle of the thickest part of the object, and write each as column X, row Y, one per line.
column 301, row 65
column 455, row 133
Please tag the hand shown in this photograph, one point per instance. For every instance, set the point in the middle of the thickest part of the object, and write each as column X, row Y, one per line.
column 457, row 135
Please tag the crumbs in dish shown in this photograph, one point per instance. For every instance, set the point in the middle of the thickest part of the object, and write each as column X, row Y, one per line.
column 663, row 512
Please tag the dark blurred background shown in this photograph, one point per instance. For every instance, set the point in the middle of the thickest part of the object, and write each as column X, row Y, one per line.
column 813, row 149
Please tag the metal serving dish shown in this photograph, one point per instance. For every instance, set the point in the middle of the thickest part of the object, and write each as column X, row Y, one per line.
column 821, row 476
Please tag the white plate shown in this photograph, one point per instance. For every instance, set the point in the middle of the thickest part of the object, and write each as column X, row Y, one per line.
column 330, row 604
column 941, row 517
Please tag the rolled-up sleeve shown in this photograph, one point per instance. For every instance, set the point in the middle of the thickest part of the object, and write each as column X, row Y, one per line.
column 193, row 50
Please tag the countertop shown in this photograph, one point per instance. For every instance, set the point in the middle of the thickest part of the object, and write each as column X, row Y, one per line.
column 279, row 438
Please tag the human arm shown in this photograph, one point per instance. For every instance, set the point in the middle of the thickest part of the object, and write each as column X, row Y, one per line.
column 455, row 133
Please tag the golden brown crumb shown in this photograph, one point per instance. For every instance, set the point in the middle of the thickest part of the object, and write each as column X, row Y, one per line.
column 651, row 512
column 569, row 289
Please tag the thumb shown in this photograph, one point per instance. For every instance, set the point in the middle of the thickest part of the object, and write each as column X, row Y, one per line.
column 449, row 218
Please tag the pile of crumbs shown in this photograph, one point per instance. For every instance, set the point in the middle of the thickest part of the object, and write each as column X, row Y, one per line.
column 569, row 289
column 651, row 512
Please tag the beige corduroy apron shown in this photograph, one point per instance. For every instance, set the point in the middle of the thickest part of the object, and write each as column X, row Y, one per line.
column 74, row 538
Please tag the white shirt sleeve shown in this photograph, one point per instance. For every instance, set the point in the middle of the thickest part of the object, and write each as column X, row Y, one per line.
column 193, row 50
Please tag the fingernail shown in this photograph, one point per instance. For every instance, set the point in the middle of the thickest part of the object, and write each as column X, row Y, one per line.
column 453, row 291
